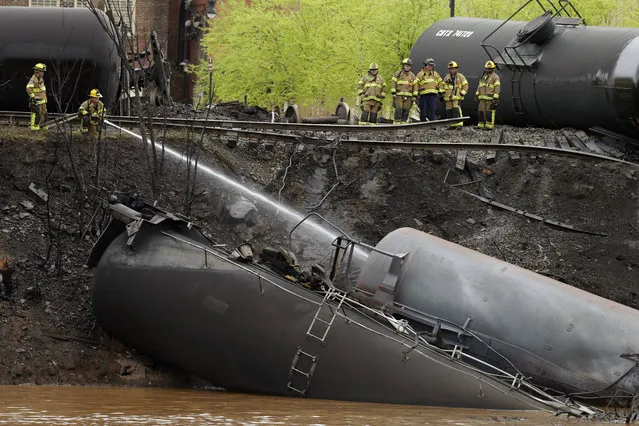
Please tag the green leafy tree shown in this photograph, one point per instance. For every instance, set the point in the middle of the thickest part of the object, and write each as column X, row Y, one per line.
column 312, row 52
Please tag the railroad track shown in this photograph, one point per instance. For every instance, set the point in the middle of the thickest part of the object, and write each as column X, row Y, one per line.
column 571, row 144
column 21, row 117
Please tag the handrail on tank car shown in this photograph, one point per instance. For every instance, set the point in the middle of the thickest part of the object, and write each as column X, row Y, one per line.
column 557, row 12
column 485, row 45
column 563, row 8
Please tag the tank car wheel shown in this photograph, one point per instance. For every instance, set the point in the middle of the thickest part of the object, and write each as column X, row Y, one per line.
column 292, row 114
column 343, row 112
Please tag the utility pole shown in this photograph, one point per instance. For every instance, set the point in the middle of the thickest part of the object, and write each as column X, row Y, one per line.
column 451, row 3
column 210, row 80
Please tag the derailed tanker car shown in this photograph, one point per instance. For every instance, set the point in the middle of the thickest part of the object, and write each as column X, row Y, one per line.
column 71, row 42
column 165, row 289
column 565, row 339
column 555, row 71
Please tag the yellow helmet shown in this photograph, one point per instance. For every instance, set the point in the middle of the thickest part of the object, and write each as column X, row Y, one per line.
column 489, row 65
column 453, row 64
column 373, row 66
column 407, row 61
column 95, row 93
column 39, row 67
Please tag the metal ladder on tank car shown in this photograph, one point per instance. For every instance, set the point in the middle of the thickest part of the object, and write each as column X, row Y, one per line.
column 302, row 367
column 315, row 328
column 304, row 362
column 515, row 88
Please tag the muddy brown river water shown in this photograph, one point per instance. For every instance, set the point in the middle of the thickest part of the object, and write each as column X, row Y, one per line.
column 150, row 406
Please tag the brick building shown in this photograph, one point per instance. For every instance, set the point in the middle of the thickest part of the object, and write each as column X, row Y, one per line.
column 176, row 22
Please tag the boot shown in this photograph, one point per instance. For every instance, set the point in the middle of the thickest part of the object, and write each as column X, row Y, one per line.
column 398, row 116
column 405, row 113
column 32, row 122
column 365, row 117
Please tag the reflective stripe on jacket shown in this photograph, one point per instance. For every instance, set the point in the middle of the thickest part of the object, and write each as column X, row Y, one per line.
column 372, row 88
column 403, row 84
column 428, row 82
column 489, row 87
column 455, row 88
column 36, row 88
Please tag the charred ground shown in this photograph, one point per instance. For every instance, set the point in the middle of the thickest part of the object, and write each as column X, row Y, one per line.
column 47, row 328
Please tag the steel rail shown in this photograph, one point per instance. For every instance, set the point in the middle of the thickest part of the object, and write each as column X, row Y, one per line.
column 332, row 128
column 315, row 141
column 240, row 125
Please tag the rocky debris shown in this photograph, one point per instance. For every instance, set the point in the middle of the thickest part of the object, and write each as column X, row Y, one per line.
column 43, row 196
column 241, row 209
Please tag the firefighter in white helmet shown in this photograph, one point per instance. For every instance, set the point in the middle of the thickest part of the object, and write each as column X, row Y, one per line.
column 371, row 91
column 37, row 92
column 92, row 114
column 428, row 83
column 487, row 95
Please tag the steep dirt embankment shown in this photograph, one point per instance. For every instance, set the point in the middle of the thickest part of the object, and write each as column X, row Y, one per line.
column 50, row 336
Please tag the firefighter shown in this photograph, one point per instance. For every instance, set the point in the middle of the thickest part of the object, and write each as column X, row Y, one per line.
column 37, row 92
column 404, row 91
column 454, row 88
column 371, row 91
column 488, row 96
column 429, row 84
column 92, row 114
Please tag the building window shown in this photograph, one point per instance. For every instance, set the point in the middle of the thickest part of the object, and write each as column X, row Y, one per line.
column 123, row 11
column 54, row 3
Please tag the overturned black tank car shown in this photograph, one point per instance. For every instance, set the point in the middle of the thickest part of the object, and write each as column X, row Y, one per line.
column 71, row 42
column 425, row 322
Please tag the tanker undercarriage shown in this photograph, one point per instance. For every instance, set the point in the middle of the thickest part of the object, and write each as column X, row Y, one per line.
column 268, row 326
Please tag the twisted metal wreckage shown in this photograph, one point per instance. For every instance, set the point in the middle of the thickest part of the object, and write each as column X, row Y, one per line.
column 420, row 320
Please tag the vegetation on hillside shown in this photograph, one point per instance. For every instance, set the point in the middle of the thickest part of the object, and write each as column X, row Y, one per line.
column 312, row 52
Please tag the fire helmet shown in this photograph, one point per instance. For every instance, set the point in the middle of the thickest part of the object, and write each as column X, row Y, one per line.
column 453, row 64
column 95, row 93
column 429, row 61
column 489, row 65
column 373, row 66
column 407, row 61
column 39, row 67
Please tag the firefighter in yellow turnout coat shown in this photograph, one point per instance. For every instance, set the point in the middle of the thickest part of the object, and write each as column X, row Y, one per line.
column 372, row 91
column 404, row 91
column 488, row 96
column 455, row 87
column 37, row 92
column 92, row 113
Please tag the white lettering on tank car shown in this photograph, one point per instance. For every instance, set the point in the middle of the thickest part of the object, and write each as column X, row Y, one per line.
column 454, row 33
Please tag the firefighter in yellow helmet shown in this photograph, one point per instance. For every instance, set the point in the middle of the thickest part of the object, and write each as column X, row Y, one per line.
column 37, row 92
column 92, row 114
column 488, row 96
column 371, row 91
column 454, row 88
column 404, row 91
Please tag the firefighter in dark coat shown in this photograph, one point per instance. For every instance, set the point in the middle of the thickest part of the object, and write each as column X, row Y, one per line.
column 429, row 84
